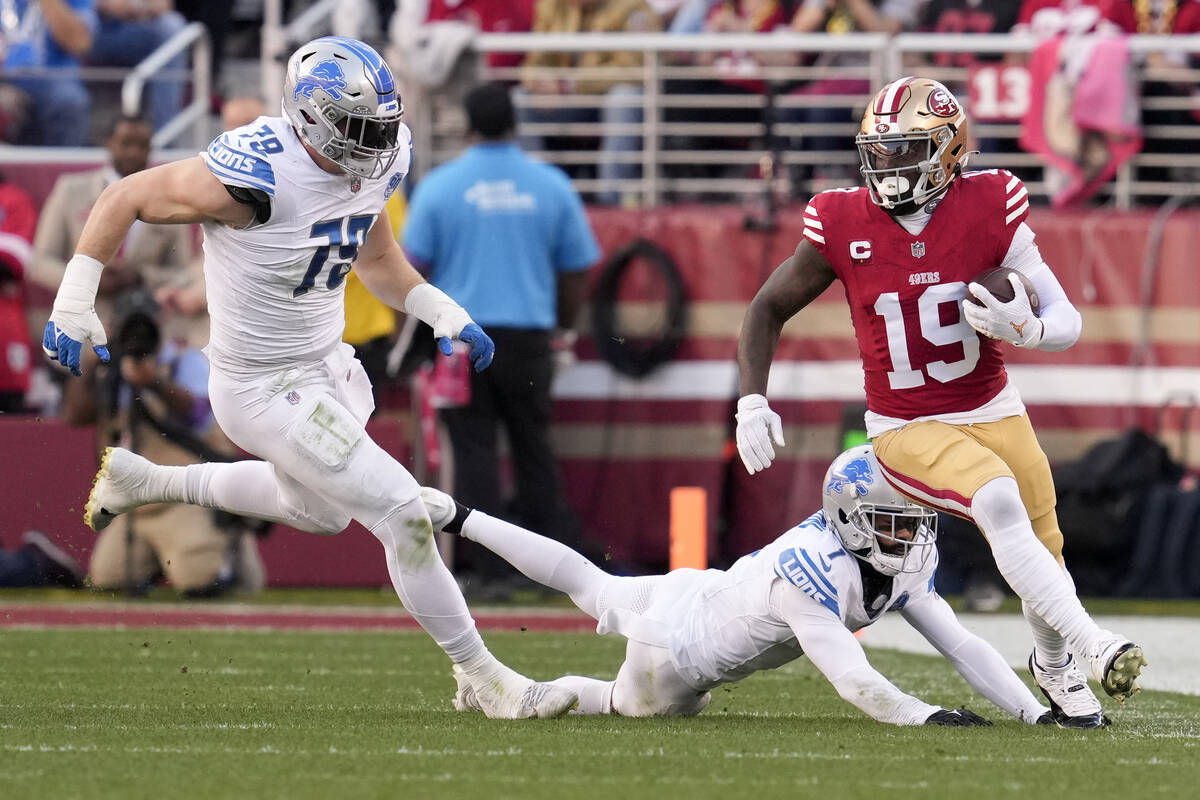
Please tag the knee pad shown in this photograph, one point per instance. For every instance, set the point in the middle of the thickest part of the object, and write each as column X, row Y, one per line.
column 407, row 532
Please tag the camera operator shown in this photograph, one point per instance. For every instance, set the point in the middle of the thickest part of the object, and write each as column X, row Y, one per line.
column 153, row 399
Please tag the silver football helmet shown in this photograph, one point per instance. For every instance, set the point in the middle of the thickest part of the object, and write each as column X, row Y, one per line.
column 874, row 521
column 341, row 98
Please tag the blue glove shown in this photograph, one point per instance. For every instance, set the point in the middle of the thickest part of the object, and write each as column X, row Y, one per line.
column 59, row 346
column 482, row 346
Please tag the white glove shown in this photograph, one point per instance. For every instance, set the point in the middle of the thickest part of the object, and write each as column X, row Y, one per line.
column 757, row 427
column 73, row 321
column 1013, row 321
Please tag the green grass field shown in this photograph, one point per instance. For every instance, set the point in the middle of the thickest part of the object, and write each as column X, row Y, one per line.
column 211, row 714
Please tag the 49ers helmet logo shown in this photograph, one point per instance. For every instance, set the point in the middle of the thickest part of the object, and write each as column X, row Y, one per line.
column 942, row 103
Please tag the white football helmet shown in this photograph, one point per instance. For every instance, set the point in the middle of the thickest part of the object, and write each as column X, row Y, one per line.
column 913, row 144
column 341, row 98
column 871, row 518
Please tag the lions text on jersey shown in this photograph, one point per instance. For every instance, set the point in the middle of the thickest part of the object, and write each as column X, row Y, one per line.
column 920, row 355
column 275, row 288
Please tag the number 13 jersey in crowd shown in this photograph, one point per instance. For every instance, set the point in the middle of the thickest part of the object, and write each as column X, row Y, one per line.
column 920, row 356
column 275, row 288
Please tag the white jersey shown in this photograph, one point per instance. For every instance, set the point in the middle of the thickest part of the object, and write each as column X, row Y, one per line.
column 275, row 289
column 726, row 625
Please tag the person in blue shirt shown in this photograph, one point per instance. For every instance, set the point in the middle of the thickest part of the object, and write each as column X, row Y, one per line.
column 508, row 237
column 44, row 40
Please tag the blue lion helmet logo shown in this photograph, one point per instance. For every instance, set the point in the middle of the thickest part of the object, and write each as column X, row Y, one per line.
column 856, row 472
column 326, row 75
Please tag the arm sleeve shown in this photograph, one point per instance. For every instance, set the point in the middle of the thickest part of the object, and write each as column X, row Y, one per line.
column 1061, row 319
column 975, row 659
column 837, row 654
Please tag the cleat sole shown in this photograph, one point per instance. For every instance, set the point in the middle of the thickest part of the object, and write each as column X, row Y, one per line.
column 1120, row 679
column 94, row 515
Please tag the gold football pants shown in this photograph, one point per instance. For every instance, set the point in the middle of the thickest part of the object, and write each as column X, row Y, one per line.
column 942, row 466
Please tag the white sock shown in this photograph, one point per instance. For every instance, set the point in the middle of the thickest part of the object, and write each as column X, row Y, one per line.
column 427, row 589
column 248, row 488
column 1029, row 568
column 595, row 696
column 540, row 559
column 1049, row 647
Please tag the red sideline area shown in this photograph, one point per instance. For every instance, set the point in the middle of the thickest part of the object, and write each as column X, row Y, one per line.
column 40, row 615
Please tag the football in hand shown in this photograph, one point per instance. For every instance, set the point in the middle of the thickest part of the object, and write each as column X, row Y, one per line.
column 996, row 281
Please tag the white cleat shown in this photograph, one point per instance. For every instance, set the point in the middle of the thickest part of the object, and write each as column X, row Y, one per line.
column 509, row 695
column 1072, row 703
column 1117, row 665
column 120, row 485
column 464, row 698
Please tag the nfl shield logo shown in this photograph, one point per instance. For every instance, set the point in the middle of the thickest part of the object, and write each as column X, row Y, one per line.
column 918, row 249
column 355, row 184
column 292, row 397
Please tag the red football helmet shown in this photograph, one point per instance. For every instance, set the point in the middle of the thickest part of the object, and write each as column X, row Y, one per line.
column 913, row 144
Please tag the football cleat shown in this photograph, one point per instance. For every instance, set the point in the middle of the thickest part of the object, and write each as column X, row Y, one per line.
column 120, row 485
column 1072, row 703
column 1116, row 666
column 464, row 697
column 509, row 695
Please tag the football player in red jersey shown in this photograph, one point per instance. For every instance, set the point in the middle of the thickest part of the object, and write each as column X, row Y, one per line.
column 948, row 426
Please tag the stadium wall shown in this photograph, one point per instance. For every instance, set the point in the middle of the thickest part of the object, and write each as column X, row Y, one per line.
column 624, row 443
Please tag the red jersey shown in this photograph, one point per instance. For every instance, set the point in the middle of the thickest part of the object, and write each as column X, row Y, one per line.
column 905, row 292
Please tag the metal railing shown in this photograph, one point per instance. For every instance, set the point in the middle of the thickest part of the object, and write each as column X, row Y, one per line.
column 192, row 117
column 713, row 144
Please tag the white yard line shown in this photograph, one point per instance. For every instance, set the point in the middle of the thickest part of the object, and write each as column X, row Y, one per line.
column 1172, row 644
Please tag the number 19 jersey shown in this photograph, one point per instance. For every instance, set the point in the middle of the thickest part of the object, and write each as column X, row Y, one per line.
column 275, row 289
column 905, row 291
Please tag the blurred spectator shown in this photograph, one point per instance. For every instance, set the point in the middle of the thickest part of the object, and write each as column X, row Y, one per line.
column 842, row 16
column 1046, row 19
column 241, row 110
column 431, row 33
column 688, row 16
column 153, row 255
column 1164, row 17
column 38, row 562
column 1083, row 109
column 153, row 399
column 744, row 16
column 508, row 235
column 967, row 16
column 620, row 106
column 129, row 31
column 18, row 218
column 42, row 43
column 217, row 17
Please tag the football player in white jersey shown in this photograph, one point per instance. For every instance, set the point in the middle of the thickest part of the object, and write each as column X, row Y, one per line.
column 867, row 551
column 287, row 205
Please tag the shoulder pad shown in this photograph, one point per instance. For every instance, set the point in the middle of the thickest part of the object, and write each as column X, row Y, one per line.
column 235, row 166
column 810, row 573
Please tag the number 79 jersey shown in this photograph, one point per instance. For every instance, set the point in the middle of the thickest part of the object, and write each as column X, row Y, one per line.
column 275, row 289
column 920, row 356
